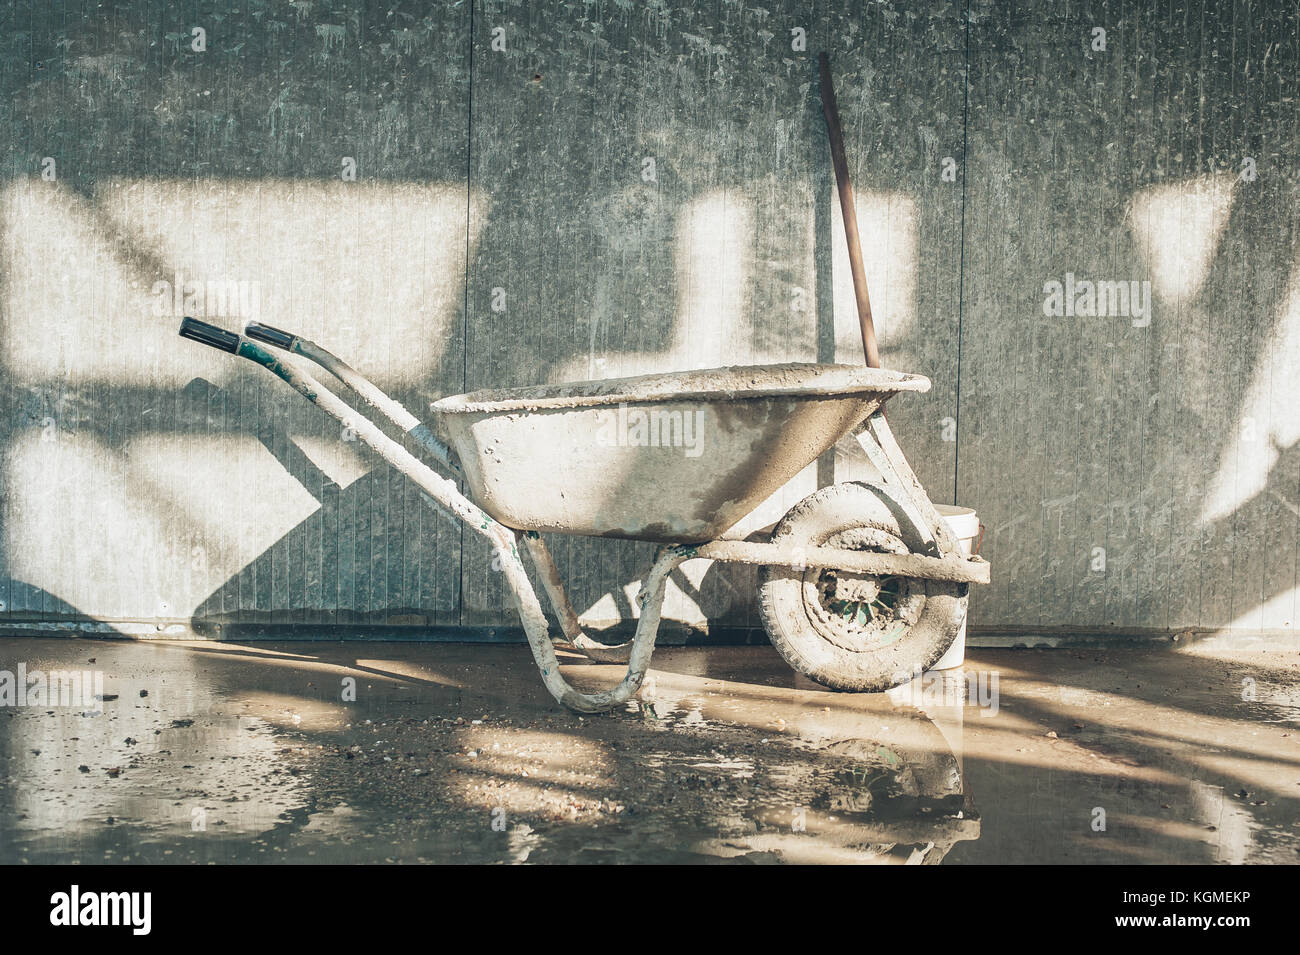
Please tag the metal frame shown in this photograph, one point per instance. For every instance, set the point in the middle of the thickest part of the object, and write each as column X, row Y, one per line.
column 944, row 562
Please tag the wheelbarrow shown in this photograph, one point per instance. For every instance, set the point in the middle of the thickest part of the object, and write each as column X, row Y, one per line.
column 861, row 585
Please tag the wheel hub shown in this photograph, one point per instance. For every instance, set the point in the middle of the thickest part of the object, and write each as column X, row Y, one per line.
column 863, row 590
column 862, row 612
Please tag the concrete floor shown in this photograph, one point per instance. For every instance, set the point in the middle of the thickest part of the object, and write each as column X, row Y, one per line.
column 246, row 753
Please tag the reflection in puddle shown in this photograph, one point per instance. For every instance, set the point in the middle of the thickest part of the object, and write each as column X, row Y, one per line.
column 873, row 781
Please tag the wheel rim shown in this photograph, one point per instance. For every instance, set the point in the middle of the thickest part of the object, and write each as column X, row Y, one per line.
column 862, row 612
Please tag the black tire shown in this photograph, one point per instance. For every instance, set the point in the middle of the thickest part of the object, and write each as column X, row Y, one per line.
column 864, row 642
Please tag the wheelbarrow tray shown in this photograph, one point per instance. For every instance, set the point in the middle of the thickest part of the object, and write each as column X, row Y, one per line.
column 678, row 457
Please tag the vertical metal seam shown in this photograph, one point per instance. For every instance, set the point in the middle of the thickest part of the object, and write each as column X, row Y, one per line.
column 961, row 245
column 464, row 335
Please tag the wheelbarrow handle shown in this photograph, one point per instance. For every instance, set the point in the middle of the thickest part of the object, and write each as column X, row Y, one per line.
column 359, row 384
column 270, row 335
column 206, row 334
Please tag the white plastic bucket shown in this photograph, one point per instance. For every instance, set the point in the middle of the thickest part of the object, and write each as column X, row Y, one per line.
column 964, row 524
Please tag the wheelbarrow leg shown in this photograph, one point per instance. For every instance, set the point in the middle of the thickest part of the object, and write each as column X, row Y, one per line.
column 539, row 639
column 568, row 617
column 541, row 557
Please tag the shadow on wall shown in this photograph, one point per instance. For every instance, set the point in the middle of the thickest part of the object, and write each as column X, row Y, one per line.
column 146, row 478
column 154, row 441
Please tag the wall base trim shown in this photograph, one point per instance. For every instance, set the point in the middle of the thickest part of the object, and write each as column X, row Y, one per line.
column 671, row 635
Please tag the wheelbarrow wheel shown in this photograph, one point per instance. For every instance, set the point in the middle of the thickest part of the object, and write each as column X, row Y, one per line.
column 855, row 632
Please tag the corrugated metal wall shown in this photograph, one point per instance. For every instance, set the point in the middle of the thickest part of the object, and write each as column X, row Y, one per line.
column 546, row 192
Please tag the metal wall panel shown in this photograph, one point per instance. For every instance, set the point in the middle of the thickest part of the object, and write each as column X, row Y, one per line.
column 573, row 190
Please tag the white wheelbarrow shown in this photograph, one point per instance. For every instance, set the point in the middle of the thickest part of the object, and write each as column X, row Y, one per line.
column 861, row 587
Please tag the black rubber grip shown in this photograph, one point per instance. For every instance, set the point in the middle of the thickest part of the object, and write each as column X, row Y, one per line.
column 270, row 336
column 198, row 331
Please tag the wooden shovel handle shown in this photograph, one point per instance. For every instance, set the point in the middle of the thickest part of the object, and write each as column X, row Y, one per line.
column 850, row 216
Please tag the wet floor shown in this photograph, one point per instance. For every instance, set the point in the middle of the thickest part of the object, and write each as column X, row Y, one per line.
column 370, row 752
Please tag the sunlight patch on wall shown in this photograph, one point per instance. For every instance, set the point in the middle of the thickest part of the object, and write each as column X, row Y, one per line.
column 148, row 532
column 715, row 247
column 1276, row 613
column 1270, row 415
column 713, row 263
column 342, row 462
column 888, row 232
column 715, row 269
column 1177, row 229
column 95, row 286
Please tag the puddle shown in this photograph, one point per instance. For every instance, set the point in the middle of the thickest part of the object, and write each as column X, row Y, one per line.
column 230, row 754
